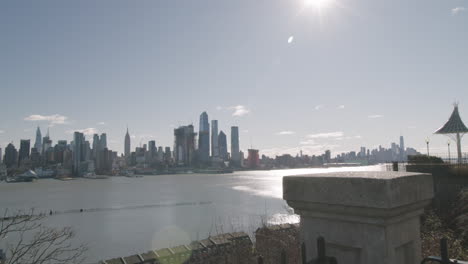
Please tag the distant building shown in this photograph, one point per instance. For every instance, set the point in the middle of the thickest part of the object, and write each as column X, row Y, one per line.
column 1, row 156
column 127, row 144
column 152, row 149
column 184, row 145
column 167, row 154
column 402, row 149
column 214, row 138
column 253, row 160
column 25, row 148
column 11, row 156
column 222, row 144
column 38, row 143
column 78, row 155
column 204, row 138
column 235, row 151
column 96, row 145
column 46, row 142
column 103, row 141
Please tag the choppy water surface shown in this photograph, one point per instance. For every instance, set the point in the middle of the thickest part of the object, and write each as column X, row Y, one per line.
column 122, row 216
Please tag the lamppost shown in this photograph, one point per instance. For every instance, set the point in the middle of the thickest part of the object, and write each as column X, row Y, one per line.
column 427, row 145
column 448, row 146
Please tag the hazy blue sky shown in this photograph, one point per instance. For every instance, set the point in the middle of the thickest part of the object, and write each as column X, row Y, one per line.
column 351, row 73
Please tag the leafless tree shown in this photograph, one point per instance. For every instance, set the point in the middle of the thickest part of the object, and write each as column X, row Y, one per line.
column 33, row 242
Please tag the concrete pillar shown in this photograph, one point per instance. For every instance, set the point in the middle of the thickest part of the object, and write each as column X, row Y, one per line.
column 365, row 217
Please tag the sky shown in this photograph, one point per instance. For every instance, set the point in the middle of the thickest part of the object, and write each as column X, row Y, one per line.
column 292, row 74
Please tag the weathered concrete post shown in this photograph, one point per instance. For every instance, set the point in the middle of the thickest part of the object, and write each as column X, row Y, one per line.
column 365, row 217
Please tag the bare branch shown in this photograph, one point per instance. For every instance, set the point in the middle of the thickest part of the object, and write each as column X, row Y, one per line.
column 37, row 244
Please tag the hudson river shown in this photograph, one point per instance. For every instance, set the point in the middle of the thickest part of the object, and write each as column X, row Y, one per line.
column 123, row 216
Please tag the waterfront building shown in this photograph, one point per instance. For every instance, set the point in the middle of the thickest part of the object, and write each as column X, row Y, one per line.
column 25, row 148
column 78, row 155
column 184, row 145
column 214, row 139
column 167, row 154
column 152, row 149
column 235, row 151
column 127, row 144
column 253, row 160
column 38, row 143
column 204, row 138
column 222, row 144
column 11, row 156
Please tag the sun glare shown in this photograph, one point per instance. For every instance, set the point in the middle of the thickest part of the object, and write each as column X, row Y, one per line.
column 318, row 4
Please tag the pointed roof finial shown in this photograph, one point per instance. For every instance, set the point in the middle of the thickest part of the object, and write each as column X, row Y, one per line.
column 454, row 124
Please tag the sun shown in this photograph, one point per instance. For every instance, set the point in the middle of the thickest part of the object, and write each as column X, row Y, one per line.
column 318, row 4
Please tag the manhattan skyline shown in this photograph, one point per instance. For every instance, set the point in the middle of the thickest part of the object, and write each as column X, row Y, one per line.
column 289, row 81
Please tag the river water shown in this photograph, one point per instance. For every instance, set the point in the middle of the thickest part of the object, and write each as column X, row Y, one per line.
column 123, row 216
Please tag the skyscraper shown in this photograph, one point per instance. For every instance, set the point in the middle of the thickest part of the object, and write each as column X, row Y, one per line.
column 11, row 156
column 204, row 138
column 46, row 142
column 152, row 150
column 78, row 155
column 235, row 154
column 214, row 138
column 222, row 144
column 103, row 141
column 127, row 144
column 38, row 143
column 184, row 145
column 25, row 148
column 402, row 149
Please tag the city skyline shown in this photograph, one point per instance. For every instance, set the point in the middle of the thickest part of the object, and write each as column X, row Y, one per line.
column 290, row 82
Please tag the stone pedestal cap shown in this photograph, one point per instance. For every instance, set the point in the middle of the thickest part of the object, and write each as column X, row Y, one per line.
column 376, row 189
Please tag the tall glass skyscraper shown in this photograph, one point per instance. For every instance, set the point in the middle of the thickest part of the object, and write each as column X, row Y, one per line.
column 204, row 138
column 235, row 154
column 214, row 138
column 222, row 141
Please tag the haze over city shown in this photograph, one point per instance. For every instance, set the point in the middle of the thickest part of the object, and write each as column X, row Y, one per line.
column 291, row 75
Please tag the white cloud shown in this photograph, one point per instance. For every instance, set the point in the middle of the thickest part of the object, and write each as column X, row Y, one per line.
column 307, row 142
column 341, row 107
column 457, row 10
column 290, row 39
column 239, row 110
column 87, row 131
column 284, row 133
column 101, row 123
column 336, row 134
column 219, row 108
column 375, row 116
column 320, row 106
column 53, row 119
column 2, row 131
